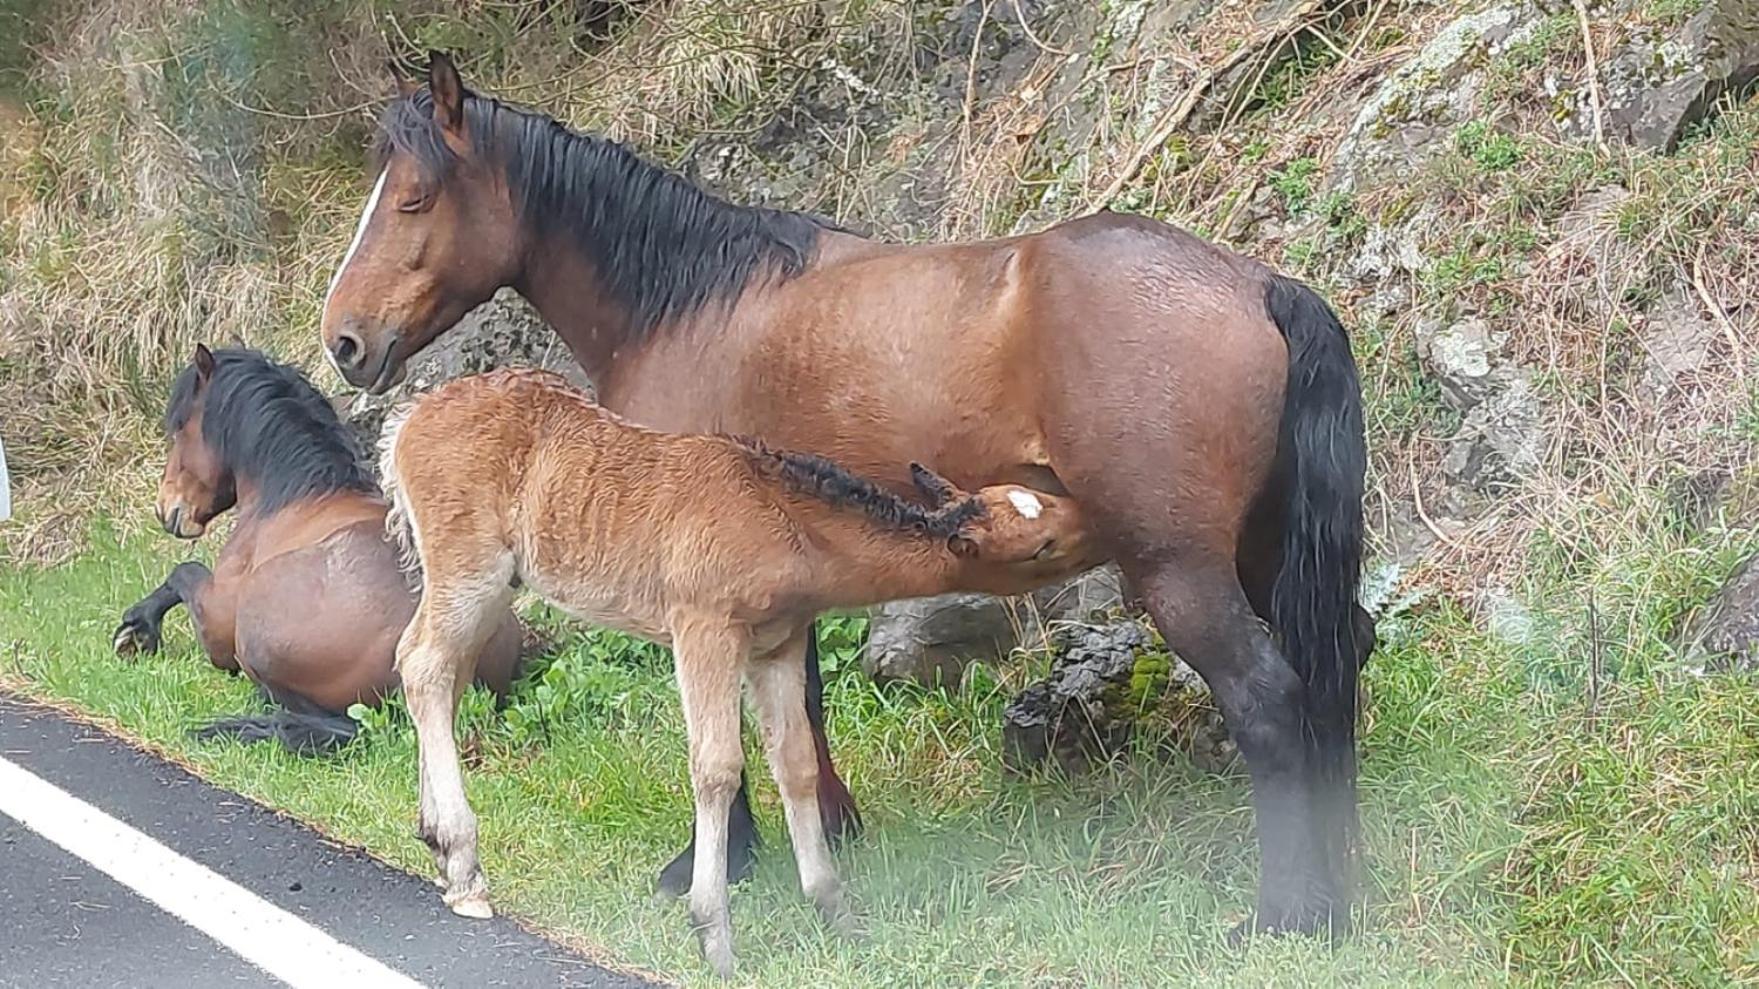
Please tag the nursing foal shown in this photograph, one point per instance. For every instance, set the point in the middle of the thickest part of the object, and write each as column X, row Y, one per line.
column 716, row 546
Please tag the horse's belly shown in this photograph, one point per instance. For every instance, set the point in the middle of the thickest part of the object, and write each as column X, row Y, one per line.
column 605, row 608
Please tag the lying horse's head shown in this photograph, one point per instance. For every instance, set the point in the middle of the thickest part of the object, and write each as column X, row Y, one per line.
column 197, row 484
column 242, row 426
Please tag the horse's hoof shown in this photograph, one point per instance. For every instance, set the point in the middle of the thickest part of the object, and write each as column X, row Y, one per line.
column 134, row 638
column 1312, row 922
column 476, row 906
column 839, row 815
column 841, row 920
column 675, row 878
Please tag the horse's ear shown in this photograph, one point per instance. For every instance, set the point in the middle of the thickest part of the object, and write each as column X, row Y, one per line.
column 405, row 84
column 448, row 92
column 204, row 362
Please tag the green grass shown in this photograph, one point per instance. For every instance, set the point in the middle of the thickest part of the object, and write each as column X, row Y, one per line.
column 1512, row 837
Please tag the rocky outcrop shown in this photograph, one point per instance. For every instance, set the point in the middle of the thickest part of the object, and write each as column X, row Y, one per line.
column 1502, row 435
column 1101, row 678
column 1725, row 634
column 503, row 331
column 1658, row 87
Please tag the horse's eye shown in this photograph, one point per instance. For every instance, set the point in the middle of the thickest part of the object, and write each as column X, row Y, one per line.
column 415, row 205
column 1049, row 547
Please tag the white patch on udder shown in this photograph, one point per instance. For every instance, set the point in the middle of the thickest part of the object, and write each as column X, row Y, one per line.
column 1026, row 503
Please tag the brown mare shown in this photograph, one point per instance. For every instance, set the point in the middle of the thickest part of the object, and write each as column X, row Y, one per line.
column 1203, row 410
column 716, row 547
column 306, row 598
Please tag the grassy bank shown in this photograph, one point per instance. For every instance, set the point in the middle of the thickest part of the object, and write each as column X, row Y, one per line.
column 1522, row 826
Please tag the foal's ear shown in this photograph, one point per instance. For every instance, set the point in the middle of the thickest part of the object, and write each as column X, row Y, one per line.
column 937, row 489
column 204, row 362
column 448, row 92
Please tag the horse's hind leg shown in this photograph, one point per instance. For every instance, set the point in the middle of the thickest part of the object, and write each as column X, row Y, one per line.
column 436, row 658
column 776, row 690
column 710, row 654
column 142, row 625
column 1203, row 612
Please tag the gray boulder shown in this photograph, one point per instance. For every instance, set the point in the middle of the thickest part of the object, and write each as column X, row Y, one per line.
column 934, row 639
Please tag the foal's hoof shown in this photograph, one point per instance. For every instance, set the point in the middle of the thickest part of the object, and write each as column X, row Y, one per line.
column 134, row 636
column 717, row 951
column 475, row 905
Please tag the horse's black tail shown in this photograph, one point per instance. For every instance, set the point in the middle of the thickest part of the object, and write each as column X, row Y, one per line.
column 1323, row 458
column 304, row 733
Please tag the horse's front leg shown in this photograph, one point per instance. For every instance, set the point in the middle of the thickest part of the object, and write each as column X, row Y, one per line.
column 143, row 625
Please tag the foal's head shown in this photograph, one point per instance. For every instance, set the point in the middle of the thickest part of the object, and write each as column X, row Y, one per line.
column 1026, row 531
column 240, row 422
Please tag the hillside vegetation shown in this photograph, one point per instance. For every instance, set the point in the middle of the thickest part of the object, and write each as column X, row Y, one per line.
column 1551, row 302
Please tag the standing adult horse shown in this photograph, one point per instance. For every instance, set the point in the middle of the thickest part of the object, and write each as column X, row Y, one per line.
column 1203, row 410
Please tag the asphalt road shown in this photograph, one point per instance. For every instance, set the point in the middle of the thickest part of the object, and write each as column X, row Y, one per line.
column 64, row 922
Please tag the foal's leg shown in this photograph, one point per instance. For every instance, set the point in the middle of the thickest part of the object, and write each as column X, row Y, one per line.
column 776, row 682
column 1202, row 611
column 836, row 807
column 710, row 654
column 436, row 658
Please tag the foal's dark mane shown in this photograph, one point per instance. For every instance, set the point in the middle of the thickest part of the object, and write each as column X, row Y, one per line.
column 823, row 479
column 663, row 247
column 265, row 421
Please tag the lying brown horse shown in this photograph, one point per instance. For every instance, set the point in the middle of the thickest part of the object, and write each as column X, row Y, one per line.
column 717, row 547
column 306, row 598
column 1202, row 410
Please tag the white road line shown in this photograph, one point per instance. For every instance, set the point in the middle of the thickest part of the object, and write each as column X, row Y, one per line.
column 261, row 933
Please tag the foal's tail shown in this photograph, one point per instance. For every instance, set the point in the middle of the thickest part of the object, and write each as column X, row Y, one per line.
column 399, row 527
column 1323, row 456
column 305, row 733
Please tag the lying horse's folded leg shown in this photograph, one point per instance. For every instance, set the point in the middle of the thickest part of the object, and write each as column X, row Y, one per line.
column 142, row 624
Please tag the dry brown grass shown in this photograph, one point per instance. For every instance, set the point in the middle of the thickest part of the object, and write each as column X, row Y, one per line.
column 111, row 284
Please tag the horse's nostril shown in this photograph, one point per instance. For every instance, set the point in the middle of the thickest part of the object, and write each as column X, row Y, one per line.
column 346, row 350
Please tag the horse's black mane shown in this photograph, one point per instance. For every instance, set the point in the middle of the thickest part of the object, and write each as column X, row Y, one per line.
column 823, row 479
column 662, row 246
column 266, row 422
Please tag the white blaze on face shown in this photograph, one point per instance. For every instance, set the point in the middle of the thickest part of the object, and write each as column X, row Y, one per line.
column 366, row 216
column 1026, row 503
